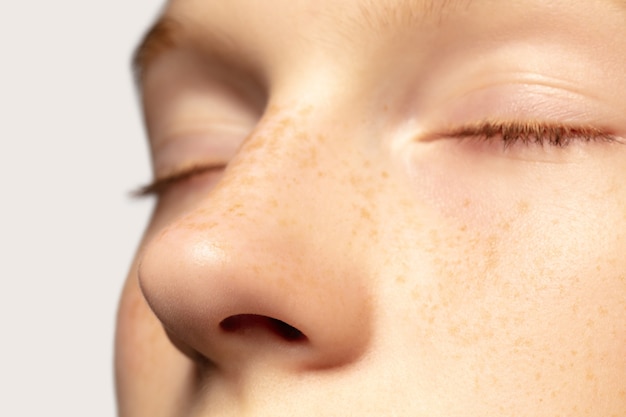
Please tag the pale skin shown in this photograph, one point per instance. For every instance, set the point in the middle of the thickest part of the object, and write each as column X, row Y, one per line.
column 416, row 272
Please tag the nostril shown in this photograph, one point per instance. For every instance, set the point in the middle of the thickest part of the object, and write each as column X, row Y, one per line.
column 248, row 323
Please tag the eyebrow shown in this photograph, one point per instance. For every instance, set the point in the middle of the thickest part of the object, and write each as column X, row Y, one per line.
column 170, row 33
column 162, row 36
column 373, row 15
column 377, row 16
column 382, row 16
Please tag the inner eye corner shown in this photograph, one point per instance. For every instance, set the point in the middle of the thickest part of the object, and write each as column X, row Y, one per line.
column 244, row 323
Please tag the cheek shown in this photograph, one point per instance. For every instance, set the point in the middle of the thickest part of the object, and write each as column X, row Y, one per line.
column 527, row 280
column 557, row 219
column 525, row 226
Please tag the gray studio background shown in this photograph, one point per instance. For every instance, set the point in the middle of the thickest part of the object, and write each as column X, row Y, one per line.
column 71, row 147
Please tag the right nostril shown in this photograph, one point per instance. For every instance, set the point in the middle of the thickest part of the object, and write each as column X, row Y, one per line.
column 246, row 323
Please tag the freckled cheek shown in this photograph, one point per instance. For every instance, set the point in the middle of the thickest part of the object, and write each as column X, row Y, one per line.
column 525, row 262
column 460, row 191
column 539, row 217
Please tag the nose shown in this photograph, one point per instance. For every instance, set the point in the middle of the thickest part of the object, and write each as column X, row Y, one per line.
column 258, row 271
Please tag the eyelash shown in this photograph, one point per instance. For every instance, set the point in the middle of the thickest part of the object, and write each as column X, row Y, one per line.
column 159, row 185
column 509, row 133
column 529, row 133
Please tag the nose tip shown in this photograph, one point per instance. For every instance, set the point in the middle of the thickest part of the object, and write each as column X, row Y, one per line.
column 236, row 301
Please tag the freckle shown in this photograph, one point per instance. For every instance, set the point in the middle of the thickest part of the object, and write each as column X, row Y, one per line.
column 384, row 174
column 385, row 108
column 198, row 226
column 272, row 110
column 285, row 123
column 305, row 111
column 453, row 331
column 163, row 234
column 466, row 203
column 235, row 207
column 255, row 144
column 523, row 207
column 520, row 342
column 366, row 214
column 401, row 279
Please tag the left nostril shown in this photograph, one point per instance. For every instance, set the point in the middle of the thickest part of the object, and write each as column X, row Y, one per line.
column 247, row 323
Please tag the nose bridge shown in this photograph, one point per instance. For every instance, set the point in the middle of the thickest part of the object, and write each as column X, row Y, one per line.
column 267, row 171
column 255, row 252
column 266, row 190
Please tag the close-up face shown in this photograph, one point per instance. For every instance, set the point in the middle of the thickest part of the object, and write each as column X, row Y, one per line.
column 381, row 208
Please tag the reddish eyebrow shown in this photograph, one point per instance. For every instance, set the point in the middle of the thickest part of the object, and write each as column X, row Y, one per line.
column 170, row 33
column 378, row 15
column 394, row 15
column 163, row 35
column 373, row 15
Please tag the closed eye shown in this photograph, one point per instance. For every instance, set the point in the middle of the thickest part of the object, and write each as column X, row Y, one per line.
column 529, row 133
column 162, row 183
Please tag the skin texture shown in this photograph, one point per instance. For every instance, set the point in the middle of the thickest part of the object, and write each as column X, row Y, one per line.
column 425, row 275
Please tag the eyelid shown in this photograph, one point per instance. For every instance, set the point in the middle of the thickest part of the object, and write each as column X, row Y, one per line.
column 518, row 101
column 191, row 152
column 202, row 144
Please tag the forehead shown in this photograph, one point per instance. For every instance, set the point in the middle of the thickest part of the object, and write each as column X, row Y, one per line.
column 284, row 21
column 379, row 11
column 280, row 39
column 279, row 22
column 374, row 14
column 250, row 26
